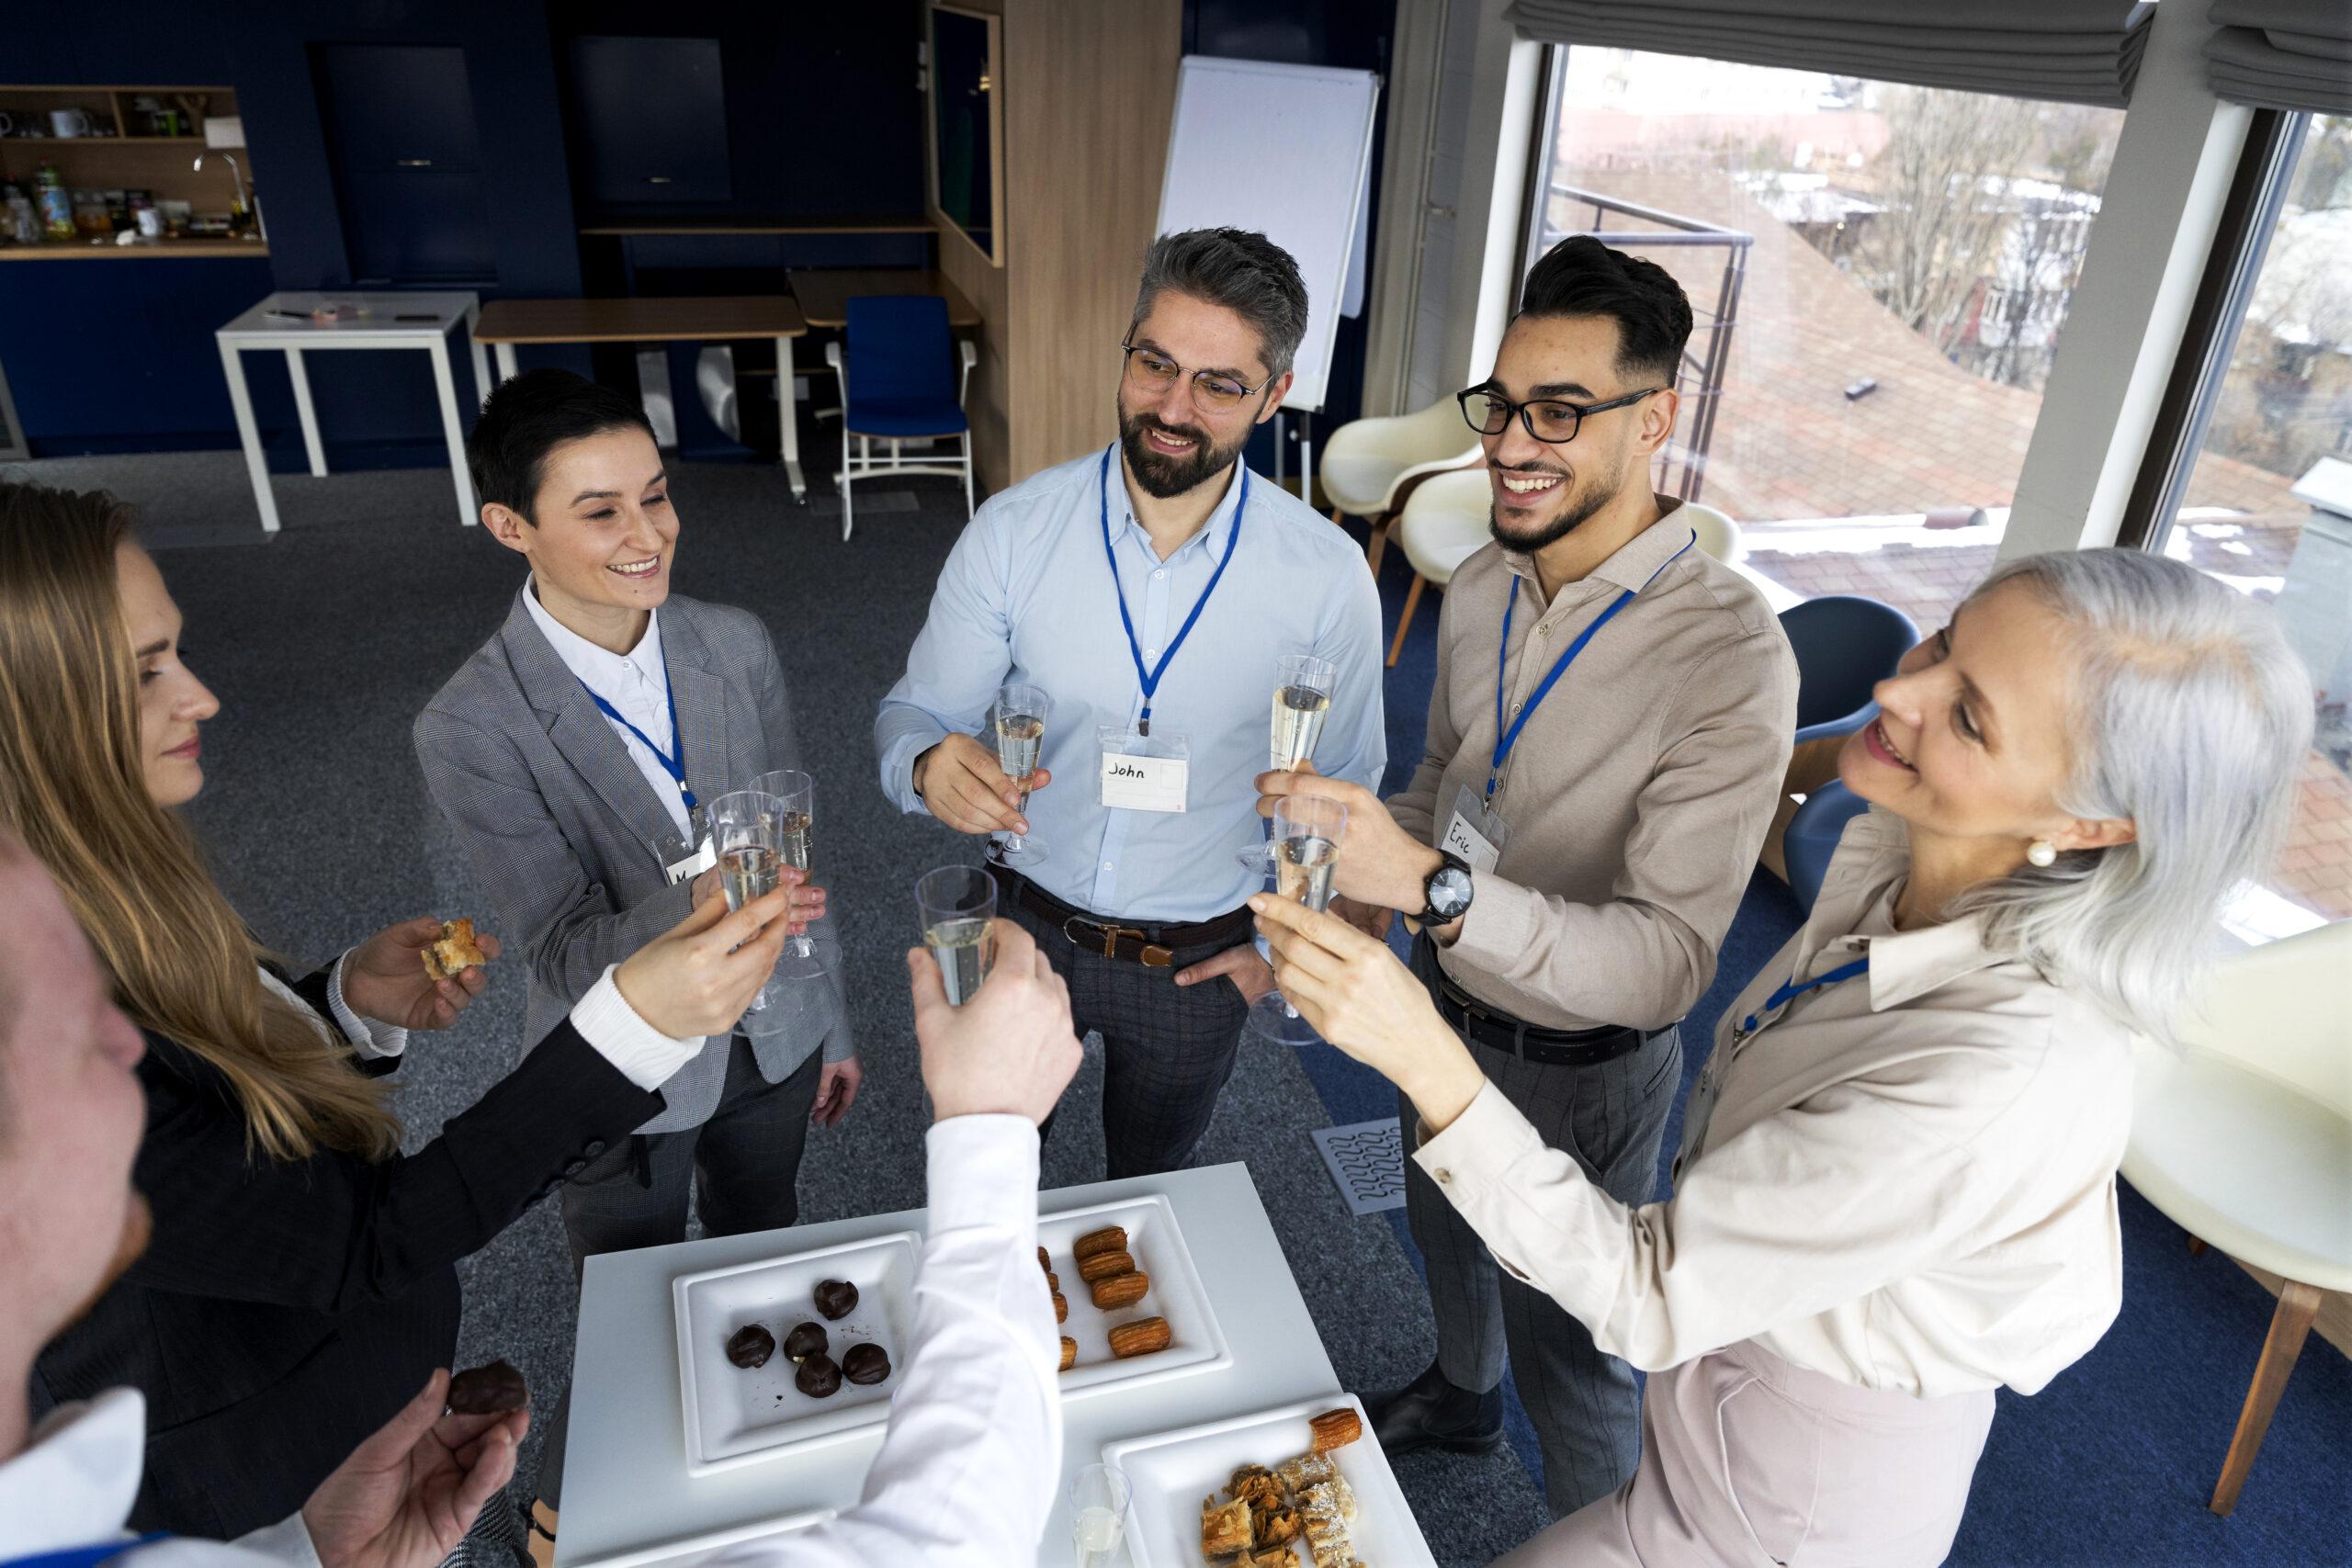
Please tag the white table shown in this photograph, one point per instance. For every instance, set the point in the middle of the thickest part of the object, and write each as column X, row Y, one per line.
column 625, row 1483
column 296, row 333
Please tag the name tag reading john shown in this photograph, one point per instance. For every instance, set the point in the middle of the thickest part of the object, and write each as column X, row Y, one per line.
column 1142, row 772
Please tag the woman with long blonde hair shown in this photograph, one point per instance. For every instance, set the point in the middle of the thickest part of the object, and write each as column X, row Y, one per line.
column 299, row 1285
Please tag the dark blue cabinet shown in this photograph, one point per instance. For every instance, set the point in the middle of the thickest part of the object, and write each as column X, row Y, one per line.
column 649, row 120
column 400, row 125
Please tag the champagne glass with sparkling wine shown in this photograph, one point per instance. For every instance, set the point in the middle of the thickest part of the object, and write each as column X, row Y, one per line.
column 1019, row 725
column 958, row 906
column 1303, row 686
column 1307, row 833
column 743, row 837
column 794, row 794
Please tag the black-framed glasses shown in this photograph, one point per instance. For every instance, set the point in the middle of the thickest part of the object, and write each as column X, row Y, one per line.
column 1548, row 420
column 1154, row 371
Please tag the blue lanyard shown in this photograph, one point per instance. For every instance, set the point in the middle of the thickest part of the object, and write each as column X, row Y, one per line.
column 1150, row 678
column 83, row 1556
column 673, row 760
column 1790, row 989
column 1505, row 738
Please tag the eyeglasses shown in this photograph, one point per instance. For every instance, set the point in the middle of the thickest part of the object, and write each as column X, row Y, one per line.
column 1548, row 420
column 1154, row 371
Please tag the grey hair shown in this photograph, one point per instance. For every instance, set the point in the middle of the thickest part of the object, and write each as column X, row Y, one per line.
column 1245, row 272
column 2190, row 718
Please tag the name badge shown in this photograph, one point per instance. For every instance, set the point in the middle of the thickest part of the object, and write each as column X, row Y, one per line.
column 695, row 864
column 1474, row 833
column 1142, row 772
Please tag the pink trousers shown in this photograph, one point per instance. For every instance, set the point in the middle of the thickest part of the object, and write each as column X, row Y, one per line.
column 1748, row 1463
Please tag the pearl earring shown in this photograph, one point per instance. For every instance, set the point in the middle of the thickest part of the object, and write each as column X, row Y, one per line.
column 2042, row 851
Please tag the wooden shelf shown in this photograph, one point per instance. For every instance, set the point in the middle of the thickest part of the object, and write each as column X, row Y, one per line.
column 163, row 248
column 719, row 226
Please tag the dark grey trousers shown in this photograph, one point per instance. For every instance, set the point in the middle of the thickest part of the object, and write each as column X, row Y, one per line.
column 741, row 1167
column 1167, row 1049
column 1583, row 1404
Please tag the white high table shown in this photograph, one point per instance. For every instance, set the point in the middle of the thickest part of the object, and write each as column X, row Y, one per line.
column 625, row 1489
column 295, row 333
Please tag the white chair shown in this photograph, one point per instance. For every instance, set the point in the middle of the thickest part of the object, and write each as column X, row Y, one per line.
column 2245, row 1139
column 1718, row 534
column 1370, row 467
column 907, row 359
column 1445, row 522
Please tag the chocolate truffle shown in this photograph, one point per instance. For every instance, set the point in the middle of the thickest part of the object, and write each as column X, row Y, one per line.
column 818, row 1378
column 805, row 1340
column 751, row 1346
column 865, row 1363
column 835, row 1298
column 493, row 1390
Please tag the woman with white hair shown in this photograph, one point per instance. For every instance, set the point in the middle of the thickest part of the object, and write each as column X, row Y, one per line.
column 1896, row 1187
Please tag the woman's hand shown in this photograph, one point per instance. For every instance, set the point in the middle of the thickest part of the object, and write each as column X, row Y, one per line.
column 384, row 979
column 1356, row 994
column 697, row 977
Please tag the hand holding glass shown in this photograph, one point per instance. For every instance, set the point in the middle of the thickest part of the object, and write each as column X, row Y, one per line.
column 743, row 837
column 794, row 794
column 957, row 907
column 1308, row 830
column 1303, row 687
column 1019, row 727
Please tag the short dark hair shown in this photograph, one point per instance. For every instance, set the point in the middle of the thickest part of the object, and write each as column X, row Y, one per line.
column 1581, row 276
column 1245, row 272
column 530, row 416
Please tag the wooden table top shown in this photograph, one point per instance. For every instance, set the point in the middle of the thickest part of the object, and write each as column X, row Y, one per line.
column 849, row 224
column 825, row 292
column 640, row 320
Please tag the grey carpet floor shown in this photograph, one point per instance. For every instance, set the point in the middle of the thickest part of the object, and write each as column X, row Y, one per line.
column 323, row 644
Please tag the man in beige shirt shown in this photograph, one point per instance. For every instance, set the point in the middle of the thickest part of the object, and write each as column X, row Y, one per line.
column 1613, row 715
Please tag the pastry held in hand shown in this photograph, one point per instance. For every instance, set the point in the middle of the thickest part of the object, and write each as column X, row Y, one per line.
column 1334, row 1429
column 1143, row 1338
column 455, row 953
column 1112, row 1238
column 493, row 1390
column 1121, row 1290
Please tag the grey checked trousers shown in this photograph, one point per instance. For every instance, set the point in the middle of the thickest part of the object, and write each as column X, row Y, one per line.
column 1584, row 1405
column 1167, row 1049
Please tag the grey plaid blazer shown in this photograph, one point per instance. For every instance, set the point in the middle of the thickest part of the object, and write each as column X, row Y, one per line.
column 572, row 841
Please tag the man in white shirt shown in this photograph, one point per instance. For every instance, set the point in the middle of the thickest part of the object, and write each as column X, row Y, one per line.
column 968, row 1469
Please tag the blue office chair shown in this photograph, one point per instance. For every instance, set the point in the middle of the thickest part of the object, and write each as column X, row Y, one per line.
column 1845, row 645
column 1812, row 837
column 911, row 377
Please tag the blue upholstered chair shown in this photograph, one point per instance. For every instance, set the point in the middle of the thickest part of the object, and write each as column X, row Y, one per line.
column 911, row 376
column 1845, row 645
column 1812, row 838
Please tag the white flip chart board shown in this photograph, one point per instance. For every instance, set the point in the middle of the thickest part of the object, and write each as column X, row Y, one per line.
column 1285, row 150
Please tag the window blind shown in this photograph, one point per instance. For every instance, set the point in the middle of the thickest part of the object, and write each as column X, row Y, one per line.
column 2282, row 54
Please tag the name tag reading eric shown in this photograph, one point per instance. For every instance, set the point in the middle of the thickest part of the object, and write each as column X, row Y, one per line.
column 1134, row 782
column 1473, row 833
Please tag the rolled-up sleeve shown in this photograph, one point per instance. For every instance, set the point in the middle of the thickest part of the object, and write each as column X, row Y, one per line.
column 958, row 659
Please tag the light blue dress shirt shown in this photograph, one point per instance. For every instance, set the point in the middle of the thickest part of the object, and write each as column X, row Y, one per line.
column 1027, row 595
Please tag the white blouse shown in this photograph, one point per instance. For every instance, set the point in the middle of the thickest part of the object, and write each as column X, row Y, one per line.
column 1905, row 1180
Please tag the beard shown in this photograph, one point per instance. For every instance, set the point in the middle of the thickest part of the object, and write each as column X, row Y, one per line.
column 1576, row 507
column 1164, row 477
column 137, row 1225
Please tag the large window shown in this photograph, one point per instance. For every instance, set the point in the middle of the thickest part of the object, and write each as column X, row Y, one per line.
column 2267, row 506
column 1879, row 274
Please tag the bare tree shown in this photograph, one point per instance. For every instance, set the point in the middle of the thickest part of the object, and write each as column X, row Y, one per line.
column 1942, row 179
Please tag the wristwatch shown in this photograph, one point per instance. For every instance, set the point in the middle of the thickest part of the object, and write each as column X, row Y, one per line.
column 1445, row 897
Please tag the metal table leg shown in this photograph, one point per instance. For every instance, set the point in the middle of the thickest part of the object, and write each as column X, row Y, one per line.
column 256, row 465
column 311, row 447
column 788, row 416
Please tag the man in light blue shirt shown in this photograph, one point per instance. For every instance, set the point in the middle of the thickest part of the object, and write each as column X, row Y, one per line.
column 1165, row 670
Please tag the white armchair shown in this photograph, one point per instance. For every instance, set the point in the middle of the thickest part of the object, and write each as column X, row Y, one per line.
column 1370, row 467
column 2245, row 1139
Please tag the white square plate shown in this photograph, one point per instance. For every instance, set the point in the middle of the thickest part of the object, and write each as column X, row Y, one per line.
column 734, row 1417
column 697, row 1550
column 1195, row 1344
column 1170, row 1474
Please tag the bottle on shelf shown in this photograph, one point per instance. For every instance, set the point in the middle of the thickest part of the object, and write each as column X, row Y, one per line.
column 22, row 226
column 56, row 204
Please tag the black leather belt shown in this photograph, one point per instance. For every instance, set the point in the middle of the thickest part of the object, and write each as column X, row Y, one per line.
column 1153, row 946
column 1545, row 1047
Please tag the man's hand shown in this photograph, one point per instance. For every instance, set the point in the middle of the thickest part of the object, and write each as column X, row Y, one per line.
column 1379, row 862
column 837, row 1086
column 1373, row 919
column 1010, row 1048
column 962, row 785
column 386, row 980
column 1251, row 975
column 697, row 977
column 1363, row 1000
column 407, row 1495
column 808, row 900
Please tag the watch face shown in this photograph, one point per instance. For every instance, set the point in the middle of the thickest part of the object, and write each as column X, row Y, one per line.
column 1449, row 892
